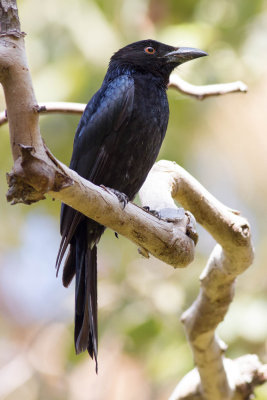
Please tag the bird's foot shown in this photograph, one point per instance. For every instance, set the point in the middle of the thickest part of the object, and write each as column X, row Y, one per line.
column 123, row 198
column 177, row 215
column 167, row 214
column 155, row 213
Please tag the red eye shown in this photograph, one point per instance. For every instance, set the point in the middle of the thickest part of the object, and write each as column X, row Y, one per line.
column 150, row 50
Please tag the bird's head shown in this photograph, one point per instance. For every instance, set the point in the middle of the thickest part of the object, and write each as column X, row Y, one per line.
column 154, row 57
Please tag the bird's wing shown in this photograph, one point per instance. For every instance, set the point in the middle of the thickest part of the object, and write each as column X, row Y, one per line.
column 107, row 113
column 110, row 112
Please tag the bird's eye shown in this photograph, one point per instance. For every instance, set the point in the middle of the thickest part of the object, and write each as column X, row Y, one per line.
column 150, row 50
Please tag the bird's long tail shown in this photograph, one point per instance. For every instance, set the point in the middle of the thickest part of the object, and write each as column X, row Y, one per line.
column 83, row 254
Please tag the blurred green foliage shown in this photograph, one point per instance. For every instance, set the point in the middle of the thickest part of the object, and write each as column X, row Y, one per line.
column 221, row 141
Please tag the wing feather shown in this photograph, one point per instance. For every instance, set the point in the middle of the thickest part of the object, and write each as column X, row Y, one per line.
column 106, row 115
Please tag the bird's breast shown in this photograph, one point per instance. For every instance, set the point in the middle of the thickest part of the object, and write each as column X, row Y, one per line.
column 138, row 144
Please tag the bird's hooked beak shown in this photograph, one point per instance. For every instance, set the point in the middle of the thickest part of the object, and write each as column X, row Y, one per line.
column 183, row 54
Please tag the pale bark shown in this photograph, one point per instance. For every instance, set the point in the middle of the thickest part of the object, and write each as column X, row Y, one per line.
column 17, row 84
column 51, row 107
column 232, row 256
column 244, row 373
column 165, row 240
column 202, row 92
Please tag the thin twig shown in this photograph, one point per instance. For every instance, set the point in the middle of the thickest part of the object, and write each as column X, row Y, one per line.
column 198, row 92
column 52, row 107
column 201, row 92
column 61, row 107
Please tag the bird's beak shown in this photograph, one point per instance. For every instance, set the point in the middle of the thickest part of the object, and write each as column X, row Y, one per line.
column 183, row 54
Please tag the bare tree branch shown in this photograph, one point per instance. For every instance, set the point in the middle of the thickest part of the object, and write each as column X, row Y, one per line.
column 52, row 108
column 245, row 374
column 16, row 80
column 201, row 92
column 10, row 24
column 61, row 107
column 33, row 177
column 232, row 256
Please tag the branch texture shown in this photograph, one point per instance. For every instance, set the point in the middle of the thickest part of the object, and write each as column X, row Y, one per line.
column 10, row 24
column 16, row 81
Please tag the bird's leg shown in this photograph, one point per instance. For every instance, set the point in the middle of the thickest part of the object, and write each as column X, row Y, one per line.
column 123, row 198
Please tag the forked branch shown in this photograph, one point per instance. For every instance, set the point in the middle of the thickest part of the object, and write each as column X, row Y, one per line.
column 231, row 256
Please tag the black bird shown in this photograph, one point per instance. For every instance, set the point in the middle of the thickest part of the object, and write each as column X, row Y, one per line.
column 116, row 144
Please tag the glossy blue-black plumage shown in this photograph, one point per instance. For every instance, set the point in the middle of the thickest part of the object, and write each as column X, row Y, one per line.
column 111, row 146
column 116, row 143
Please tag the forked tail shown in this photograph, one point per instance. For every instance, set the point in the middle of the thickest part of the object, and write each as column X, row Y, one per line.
column 86, row 335
column 82, row 235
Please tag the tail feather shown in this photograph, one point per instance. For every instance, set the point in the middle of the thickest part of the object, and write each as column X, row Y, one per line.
column 92, row 305
column 81, row 235
column 69, row 267
column 86, row 295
